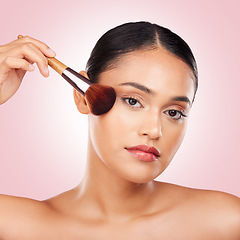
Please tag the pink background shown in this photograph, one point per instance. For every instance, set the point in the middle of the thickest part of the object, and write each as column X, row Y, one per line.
column 42, row 135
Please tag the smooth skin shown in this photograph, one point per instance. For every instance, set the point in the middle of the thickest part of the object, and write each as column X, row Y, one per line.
column 118, row 197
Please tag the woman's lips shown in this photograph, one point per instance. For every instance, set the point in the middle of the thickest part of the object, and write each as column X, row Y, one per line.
column 144, row 153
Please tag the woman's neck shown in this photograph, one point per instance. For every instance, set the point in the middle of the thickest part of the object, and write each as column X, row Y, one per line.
column 113, row 196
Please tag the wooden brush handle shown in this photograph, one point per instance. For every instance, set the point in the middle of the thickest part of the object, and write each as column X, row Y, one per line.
column 55, row 64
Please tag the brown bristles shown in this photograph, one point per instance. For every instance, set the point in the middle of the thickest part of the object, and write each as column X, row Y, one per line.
column 101, row 98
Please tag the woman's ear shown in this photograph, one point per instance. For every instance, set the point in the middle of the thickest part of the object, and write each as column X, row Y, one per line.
column 80, row 100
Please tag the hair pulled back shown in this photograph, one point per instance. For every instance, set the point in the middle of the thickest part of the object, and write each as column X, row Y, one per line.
column 135, row 36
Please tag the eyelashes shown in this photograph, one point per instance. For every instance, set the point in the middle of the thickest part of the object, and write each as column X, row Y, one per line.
column 175, row 114
column 132, row 102
column 136, row 104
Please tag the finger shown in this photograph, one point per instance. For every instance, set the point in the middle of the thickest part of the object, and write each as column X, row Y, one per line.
column 44, row 48
column 32, row 54
column 15, row 63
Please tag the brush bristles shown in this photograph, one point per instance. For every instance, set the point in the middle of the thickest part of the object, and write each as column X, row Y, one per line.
column 101, row 98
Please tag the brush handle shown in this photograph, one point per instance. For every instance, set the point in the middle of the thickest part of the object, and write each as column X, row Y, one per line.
column 78, row 81
column 55, row 64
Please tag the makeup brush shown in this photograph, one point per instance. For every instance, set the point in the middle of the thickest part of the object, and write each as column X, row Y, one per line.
column 100, row 98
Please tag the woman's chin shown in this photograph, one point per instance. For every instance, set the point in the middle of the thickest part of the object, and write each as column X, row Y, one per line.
column 141, row 177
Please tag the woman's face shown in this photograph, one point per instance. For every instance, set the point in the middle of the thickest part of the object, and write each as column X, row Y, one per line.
column 154, row 94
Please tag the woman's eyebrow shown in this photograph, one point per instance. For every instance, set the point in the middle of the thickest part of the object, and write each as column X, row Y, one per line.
column 181, row 99
column 149, row 91
column 138, row 86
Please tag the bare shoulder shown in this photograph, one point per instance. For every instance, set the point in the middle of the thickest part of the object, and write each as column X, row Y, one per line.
column 214, row 210
column 11, row 205
column 20, row 212
column 33, row 219
column 223, row 211
column 208, row 198
column 220, row 204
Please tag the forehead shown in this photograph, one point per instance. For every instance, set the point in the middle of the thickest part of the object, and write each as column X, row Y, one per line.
column 158, row 70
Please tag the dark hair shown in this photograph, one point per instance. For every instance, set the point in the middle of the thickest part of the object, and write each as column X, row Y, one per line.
column 134, row 36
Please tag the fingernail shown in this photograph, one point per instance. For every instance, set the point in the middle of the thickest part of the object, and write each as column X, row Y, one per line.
column 31, row 67
column 46, row 71
column 51, row 52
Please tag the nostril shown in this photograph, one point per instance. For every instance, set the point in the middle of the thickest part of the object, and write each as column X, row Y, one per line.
column 151, row 127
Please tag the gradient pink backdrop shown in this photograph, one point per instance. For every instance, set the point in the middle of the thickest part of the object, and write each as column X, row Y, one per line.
column 43, row 137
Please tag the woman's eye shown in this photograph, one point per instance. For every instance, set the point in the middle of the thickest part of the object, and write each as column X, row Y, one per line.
column 175, row 114
column 132, row 102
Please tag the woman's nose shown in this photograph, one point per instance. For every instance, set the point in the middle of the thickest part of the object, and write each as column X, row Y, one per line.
column 151, row 126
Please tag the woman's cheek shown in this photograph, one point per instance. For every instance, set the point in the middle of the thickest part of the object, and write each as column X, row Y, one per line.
column 174, row 137
column 106, row 130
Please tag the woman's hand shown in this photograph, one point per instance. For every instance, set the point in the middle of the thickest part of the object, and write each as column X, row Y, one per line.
column 18, row 57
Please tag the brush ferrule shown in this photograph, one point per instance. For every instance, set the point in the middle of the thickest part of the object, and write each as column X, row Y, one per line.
column 78, row 81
